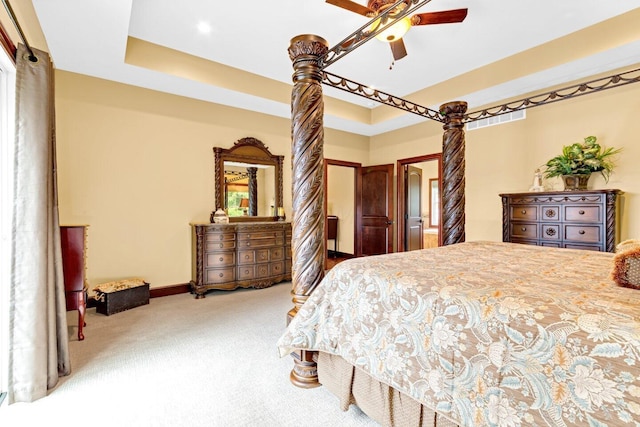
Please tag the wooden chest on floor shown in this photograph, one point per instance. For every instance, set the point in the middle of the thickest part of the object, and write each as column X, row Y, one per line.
column 109, row 303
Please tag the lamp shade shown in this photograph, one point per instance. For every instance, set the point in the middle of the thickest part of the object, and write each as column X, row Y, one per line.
column 244, row 203
column 394, row 32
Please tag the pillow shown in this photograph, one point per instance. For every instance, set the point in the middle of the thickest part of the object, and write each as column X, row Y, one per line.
column 626, row 264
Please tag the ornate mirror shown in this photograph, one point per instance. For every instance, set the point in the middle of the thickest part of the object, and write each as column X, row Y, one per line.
column 248, row 181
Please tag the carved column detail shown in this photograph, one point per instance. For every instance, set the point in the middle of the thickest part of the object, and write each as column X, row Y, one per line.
column 307, row 145
column 453, row 180
column 253, row 190
column 279, row 195
column 218, row 189
column 610, row 226
column 505, row 222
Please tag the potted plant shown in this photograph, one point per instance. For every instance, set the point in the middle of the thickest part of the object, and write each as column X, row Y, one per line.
column 578, row 161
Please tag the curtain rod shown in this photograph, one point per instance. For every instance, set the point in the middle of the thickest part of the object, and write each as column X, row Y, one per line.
column 16, row 24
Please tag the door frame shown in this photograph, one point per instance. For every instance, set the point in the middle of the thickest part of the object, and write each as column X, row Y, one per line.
column 356, row 168
column 401, row 197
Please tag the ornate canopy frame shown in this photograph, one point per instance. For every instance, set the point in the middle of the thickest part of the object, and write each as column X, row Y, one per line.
column 310, row 54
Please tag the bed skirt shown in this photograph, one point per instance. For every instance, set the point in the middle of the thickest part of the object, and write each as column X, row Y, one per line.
column 379, row 401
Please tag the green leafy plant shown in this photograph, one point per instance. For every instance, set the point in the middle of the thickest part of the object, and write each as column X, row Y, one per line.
column 582, row 159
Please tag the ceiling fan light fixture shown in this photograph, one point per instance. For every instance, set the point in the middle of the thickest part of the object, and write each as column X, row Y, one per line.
column 394, row 32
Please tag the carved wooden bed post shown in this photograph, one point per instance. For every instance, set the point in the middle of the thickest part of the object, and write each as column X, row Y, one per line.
column 253, row 190
column 307, row 145
column 453, row 173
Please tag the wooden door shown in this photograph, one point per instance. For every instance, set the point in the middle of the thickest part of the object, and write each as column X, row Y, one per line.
column 375, row 210
column 413, row 209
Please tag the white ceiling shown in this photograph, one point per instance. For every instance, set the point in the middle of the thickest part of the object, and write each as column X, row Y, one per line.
column 90, row 37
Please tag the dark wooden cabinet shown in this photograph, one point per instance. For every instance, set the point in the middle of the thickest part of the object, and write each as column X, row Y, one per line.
column 228, row 256
column 73, row 239
column 563, row 219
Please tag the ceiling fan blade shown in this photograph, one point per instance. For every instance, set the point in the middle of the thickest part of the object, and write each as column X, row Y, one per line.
column 353, row 7
column 444, row 17
column 398, row 49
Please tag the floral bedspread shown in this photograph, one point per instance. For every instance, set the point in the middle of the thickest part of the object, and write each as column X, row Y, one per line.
column 486, row 333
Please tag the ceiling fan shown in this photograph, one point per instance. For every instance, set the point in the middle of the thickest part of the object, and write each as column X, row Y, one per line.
column 393, row 35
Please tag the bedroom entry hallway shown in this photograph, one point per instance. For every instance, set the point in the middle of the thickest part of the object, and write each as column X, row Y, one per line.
column 418, row 201
column 359, row 201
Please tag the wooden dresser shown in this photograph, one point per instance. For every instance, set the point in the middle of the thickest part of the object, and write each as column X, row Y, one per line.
column 243, row 254
column 73, row 240
column 562, row 219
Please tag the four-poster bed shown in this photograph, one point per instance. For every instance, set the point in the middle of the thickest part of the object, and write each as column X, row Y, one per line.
column 503, row 354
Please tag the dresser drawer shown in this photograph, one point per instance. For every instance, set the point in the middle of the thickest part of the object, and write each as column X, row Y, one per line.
column 219, row 275
column 271, row 234
column 524, row 230
column 219, row 246
column 582, row 233
column 258, row 243
column 246, row 272
column 221, row 259
column 550, row 213
column 219, row 237
column 276, row 254
column 583, row 213
column 550, row 232
column 582, row 247
column 551, row 244
column 262, row 271
column 524, row 213
column 277, row 268
column 270, row 270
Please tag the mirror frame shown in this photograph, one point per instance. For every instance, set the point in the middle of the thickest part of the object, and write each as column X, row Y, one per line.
column 252, row 151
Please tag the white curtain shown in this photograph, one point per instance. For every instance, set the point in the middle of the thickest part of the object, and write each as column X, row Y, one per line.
column 38, row 336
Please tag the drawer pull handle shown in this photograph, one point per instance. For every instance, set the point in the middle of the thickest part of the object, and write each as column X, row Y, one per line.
column 581, row 212
column 221, row 274
column 248, row 243
column 524, row 211
column 523, row 229
column 221, row 259
column 221, row 245
column 581, row 232
column 246, row 257
column 221, row 237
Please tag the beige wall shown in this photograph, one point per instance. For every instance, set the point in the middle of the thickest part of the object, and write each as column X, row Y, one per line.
column 341, row 203
column 137, row 166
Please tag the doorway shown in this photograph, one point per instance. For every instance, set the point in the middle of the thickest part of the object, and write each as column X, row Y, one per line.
column 359, row 201
column 418, row 195
column 340, row 208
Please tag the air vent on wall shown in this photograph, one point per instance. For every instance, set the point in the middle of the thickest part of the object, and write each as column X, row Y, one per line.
column 497, row 120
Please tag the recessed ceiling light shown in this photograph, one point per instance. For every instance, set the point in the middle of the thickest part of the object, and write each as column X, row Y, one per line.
column 204, row 27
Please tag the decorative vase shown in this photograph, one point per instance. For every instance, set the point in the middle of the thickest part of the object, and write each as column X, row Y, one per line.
column 576, row 182
column 219, row 217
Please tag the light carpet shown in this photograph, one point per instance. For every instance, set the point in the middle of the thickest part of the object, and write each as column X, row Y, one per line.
column 185, row 362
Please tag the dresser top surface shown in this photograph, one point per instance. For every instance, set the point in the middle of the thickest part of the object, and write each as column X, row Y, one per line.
column 561, row 193
column 239, row 224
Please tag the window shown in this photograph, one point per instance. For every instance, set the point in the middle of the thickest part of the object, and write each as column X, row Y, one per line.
column 7, row 141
